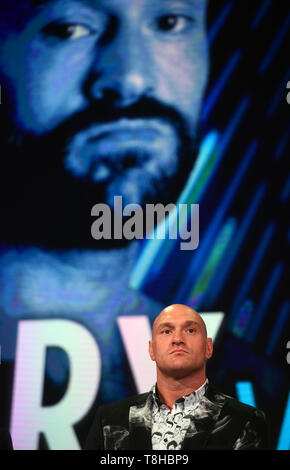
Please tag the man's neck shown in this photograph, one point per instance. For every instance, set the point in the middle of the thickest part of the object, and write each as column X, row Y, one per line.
column 170, row 388
column 63, row 282
column 99, row 264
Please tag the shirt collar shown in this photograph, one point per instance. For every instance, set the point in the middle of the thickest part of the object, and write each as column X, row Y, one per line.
column 196, row 394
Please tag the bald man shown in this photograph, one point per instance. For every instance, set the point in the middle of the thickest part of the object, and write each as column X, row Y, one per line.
column 182, row 404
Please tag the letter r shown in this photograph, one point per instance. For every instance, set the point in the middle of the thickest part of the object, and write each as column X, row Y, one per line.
column 28, row 417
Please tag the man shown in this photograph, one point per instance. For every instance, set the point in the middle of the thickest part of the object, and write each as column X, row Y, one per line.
column 99, row 98
column 211, row 420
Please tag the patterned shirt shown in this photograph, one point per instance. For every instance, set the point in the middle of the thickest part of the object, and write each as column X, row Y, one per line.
column 170, row 426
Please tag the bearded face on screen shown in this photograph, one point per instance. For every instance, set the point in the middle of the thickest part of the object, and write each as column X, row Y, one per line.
column 99, row 98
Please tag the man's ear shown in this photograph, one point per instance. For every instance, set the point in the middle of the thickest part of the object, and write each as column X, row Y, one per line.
column 209, row 348
column 151, row 353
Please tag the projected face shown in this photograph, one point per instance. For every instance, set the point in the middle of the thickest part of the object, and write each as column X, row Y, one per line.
column 108, row 92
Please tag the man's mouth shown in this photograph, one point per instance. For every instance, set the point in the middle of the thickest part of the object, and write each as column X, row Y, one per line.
column 103, row 149
column 127, row 130
column 178, row 351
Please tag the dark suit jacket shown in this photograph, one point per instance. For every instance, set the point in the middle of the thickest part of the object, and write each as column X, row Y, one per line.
column 219, row 422
column 5, row 440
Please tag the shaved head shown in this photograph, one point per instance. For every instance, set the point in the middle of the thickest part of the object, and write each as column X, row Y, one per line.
column 180, row 346
column 178, row 309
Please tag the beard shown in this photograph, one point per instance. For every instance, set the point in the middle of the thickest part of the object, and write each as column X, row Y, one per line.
column 49, row 183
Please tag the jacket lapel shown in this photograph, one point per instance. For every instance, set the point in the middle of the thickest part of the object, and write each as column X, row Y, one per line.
column 140, row 418
column 205, row 417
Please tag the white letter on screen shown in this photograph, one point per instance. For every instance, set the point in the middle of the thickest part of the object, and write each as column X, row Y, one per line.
column 213, row 321
column 28, row 417
column 136, row 333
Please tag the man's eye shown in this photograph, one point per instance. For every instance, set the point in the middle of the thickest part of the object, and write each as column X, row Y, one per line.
column 173, row 23
column 191, row 330
column 67, row 31
column 166, row 332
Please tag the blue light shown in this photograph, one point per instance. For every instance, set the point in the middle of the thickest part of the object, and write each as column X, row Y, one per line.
column 220, row 84
column 255, row 265
column 284, row 437
column 282, row 144
column 146, row 261
column 267, row 297
column 245, row 393
column 261, row 14
column 217, row 25
column 274, row 47
column 219, row 281
column 233, row 124
column 278, row 327
column 208, row 239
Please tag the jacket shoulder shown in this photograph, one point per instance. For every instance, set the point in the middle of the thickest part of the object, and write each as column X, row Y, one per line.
column 235, row 407
column 239, row 426
column 115, row 414
column 125, row 403
column 242, row 409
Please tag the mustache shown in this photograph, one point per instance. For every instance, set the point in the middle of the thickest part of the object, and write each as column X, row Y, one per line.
column 105, row 111
column 33, row 152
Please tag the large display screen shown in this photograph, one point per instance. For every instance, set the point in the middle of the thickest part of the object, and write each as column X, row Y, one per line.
column 145, row 162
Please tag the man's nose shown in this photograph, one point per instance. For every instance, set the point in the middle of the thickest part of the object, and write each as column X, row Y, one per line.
column 123, row 69
column 177, row 338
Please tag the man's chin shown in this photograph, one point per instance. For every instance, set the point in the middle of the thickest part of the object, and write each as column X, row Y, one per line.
column 181, row 370
column 54, row 221
column 44, row 204
column 138, row 189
